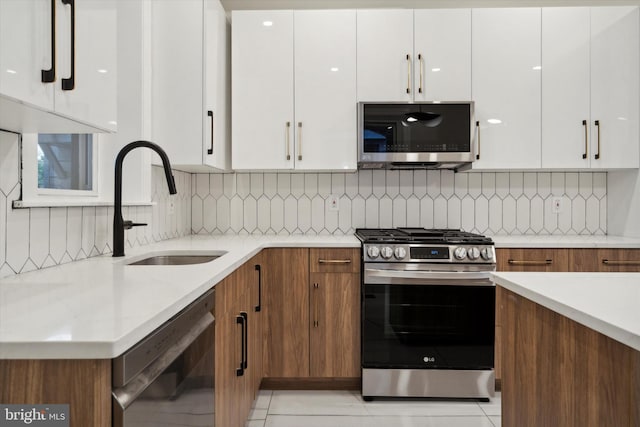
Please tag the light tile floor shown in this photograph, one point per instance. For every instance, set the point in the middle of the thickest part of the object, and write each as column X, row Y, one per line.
column 347, row 409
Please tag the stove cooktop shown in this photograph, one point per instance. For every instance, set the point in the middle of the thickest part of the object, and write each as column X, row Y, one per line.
column 421, row 235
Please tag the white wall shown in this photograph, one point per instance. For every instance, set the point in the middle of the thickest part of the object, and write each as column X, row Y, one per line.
column 624, row 203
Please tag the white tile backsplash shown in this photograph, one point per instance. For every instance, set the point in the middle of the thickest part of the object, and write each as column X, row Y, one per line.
column 295, row 203
column 43, row 237
column 488, row 202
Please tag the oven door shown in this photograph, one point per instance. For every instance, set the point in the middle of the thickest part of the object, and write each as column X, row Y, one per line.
column 428, row 320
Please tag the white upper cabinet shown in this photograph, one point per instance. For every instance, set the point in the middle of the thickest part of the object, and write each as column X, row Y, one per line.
column 262, row 89
column 615, row 95
column 421, row 55
column 21, row 64
column 385, row 55
column 590, row 92
column 216, row 150
column 506, row 87
column 325, row 90
column 67, row 67
column 88, row 63
column 442, row 58
column 189, row 81
column 565, row 87
column 294, row 108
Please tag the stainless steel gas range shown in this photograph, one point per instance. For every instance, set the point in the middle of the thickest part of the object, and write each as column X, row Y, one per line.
column 428, row 313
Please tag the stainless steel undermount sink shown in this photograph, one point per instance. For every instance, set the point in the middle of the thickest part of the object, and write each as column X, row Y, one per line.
column 177, row 258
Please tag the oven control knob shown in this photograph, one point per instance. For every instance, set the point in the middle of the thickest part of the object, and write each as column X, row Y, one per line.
column 373, row 252
column 473, row 253
column 400, row 252
column 487, row 254
column 386, row 252
column 460, row 253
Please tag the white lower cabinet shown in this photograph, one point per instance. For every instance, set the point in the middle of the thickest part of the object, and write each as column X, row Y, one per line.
column 189, row 83
column 294, row 90
column 506, row 87
column 590, row 92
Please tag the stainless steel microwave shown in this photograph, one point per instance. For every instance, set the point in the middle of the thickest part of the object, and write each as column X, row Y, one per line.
column 419, row 135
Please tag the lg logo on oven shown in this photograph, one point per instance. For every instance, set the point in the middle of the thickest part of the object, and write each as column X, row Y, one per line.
column 428, row 359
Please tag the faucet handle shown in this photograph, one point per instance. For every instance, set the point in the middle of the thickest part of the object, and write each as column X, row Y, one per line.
column 128, row 225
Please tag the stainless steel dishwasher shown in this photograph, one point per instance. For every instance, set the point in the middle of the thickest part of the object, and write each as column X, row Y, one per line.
column 168, row 378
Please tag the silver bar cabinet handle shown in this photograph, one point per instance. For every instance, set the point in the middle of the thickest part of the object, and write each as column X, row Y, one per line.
column 299, row 140
column 586, row 139
column 541, row 262
column 288, row 145
column 408, row 73
column 597, row 123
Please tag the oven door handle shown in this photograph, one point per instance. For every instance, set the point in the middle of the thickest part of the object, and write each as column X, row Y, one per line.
column 127, row 394
column 413, row 277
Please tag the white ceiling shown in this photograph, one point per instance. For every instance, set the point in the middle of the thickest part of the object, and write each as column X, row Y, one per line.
column 415, row 4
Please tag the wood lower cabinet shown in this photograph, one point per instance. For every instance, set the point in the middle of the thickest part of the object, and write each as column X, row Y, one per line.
column 85, row 385
column 238, row 364
column 604, row 260
column 558, row 372
column 286, row 311
column 561, row 259
column 312, row 310
column 522, row 259
column 334, row 327
column 532, row 259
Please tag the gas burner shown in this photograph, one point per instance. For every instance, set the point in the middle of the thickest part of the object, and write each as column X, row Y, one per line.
column 420, row 235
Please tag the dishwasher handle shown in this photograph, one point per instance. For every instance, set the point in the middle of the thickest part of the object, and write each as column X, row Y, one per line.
column 127, row 394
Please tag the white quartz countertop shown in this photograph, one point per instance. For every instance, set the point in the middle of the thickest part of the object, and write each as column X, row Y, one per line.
column 605, row 302
column 100, row 307
column 527, row 241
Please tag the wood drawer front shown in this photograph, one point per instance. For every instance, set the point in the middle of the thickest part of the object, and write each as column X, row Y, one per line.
column 619, row 260
column 528, row 259
column 334, row 260
column 605, row 260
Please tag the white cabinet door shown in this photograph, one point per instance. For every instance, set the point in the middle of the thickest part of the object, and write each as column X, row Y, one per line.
column 565, row 87
column 25, row 50
column 614, row 87
column 93, row 65
column 506, row 87
column 177, row 80
column 262, row 89
column 385, row 55
column 30, row 43
column 325, row 90
column 216, row 148
column 442, row 58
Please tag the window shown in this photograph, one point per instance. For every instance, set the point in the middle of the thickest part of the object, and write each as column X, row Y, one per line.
column 60, row 169
column 65, row 161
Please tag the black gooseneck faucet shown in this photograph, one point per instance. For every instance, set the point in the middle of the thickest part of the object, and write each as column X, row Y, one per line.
column 119, row 225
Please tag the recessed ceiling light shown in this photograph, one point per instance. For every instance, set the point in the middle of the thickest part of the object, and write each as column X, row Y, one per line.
column 538, row 67
column 435, row 70
column 334, row 69
column 268, row 23
column 102, row 71
column 11, row 71
column 494, row 121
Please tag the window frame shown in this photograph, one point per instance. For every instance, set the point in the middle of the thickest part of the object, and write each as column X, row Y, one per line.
column 31, row 193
